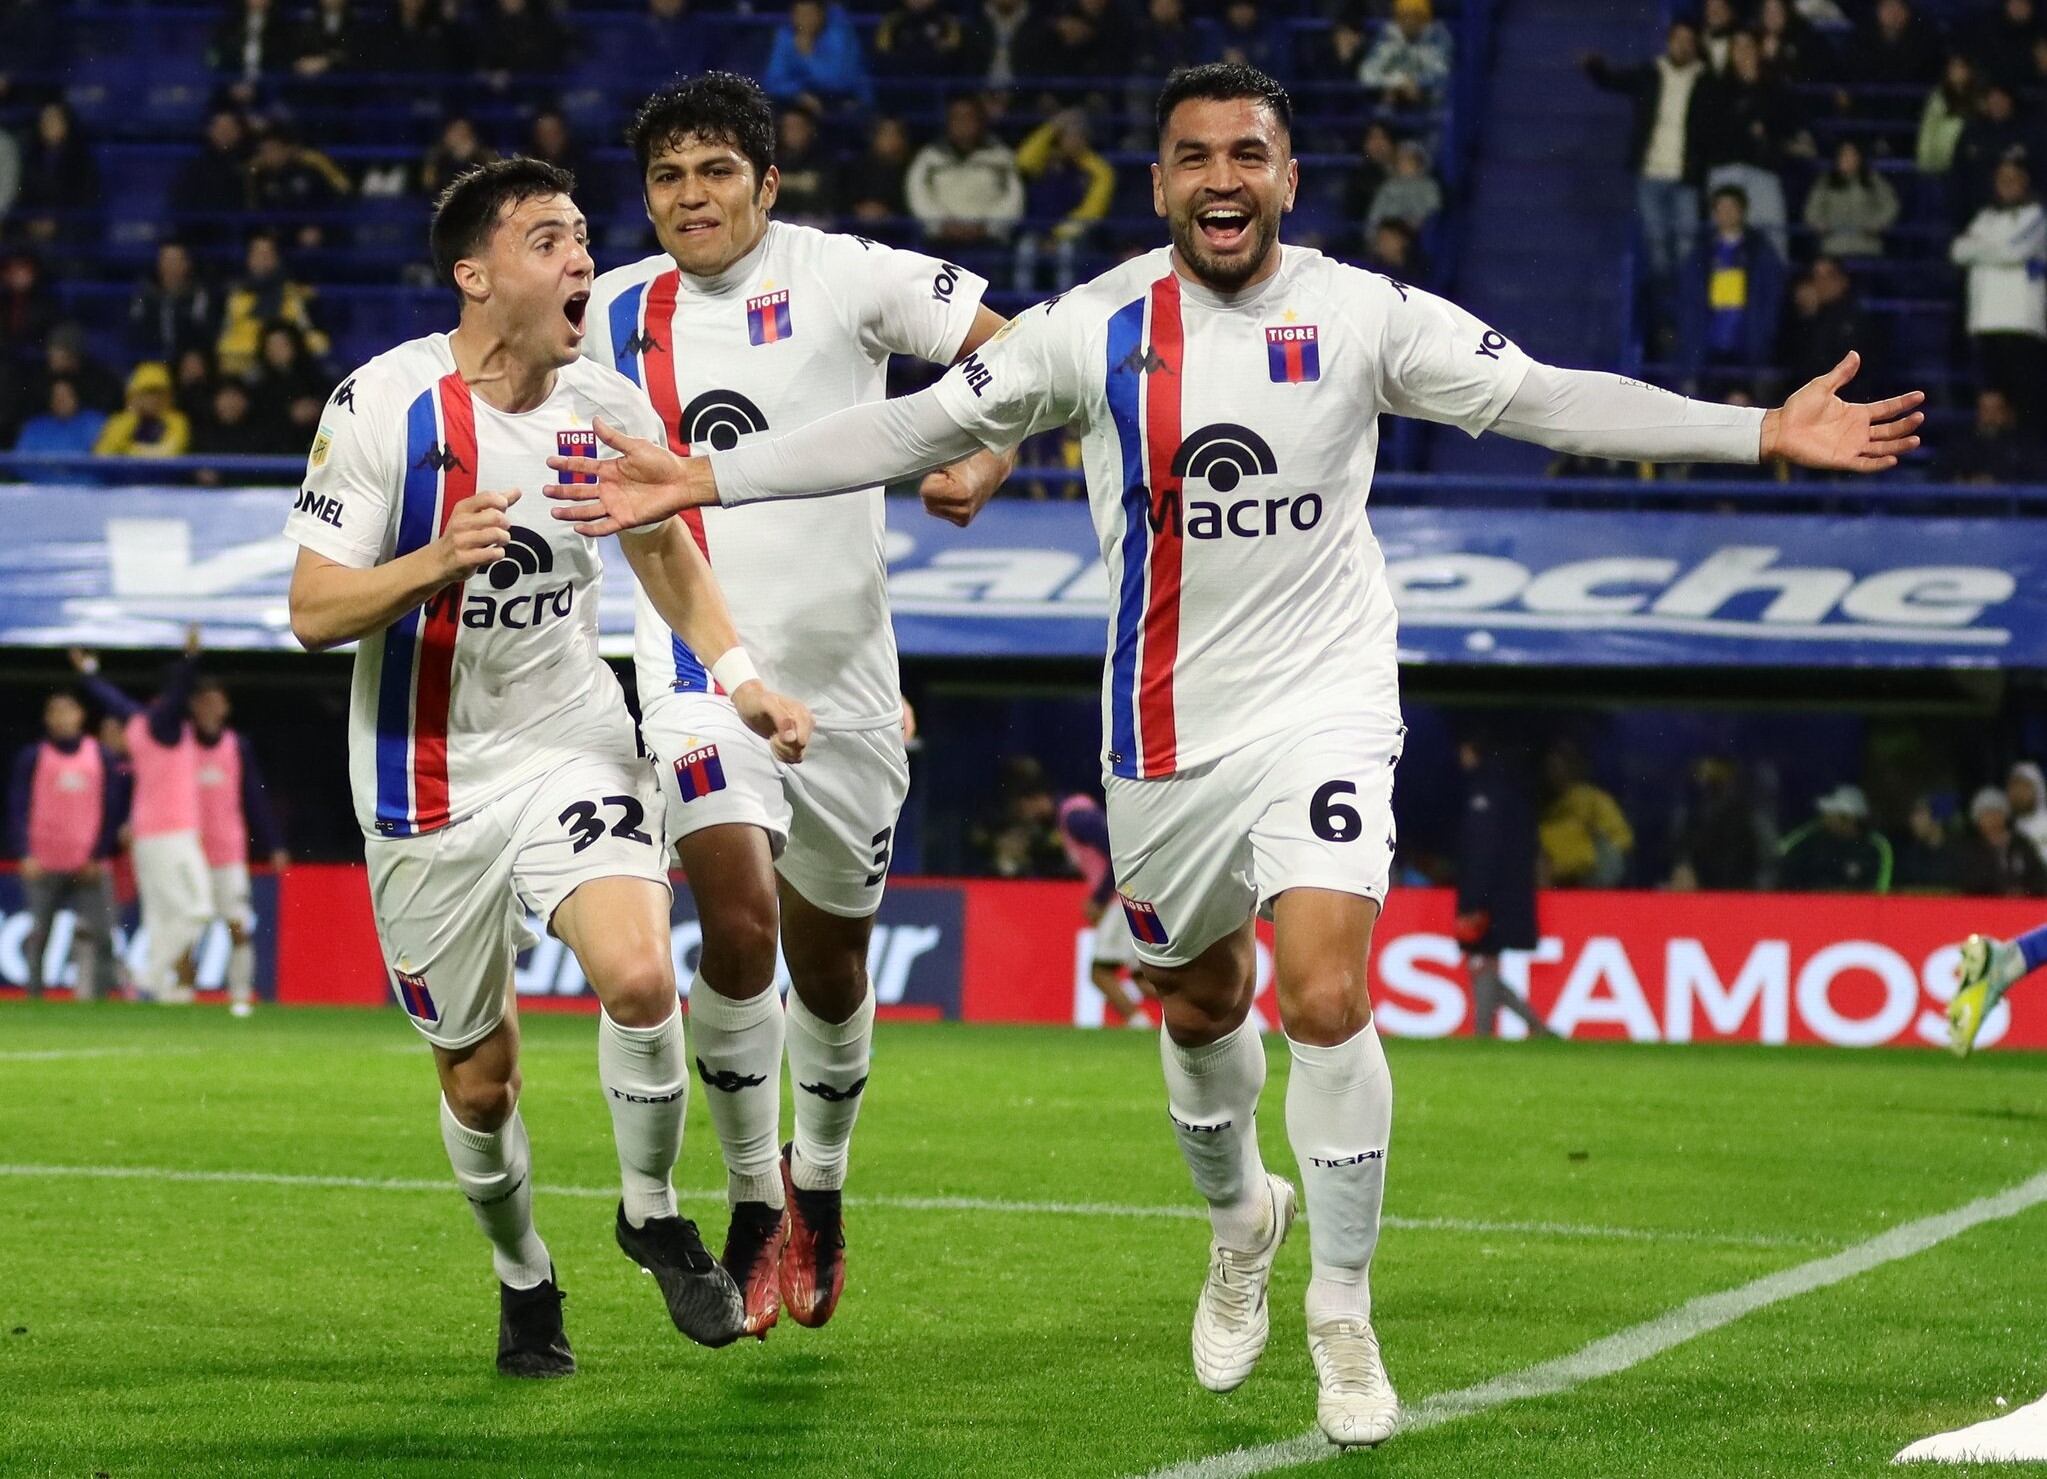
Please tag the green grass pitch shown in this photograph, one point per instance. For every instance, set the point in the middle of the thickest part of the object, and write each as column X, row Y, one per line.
column 152, row 1324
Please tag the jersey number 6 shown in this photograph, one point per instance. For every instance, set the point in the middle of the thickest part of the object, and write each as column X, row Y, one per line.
column 1331, row 819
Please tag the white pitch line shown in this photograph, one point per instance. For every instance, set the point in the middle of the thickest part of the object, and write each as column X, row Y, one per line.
column 893, row 1203
column 1628, row 1348
column 52, row 1055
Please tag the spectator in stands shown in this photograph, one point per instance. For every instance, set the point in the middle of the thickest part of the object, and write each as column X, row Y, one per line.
column 1997, row 449
column 173, row 309
column 2005, row 252
column 417, row 36
column 1497, row 863
column 460, row 147
column 1018, row 41
column 964, row 188
column 874, row 182
column 1088, row 39
column 214, row 183
column 923, row 38
column 518, row 37
column 1838, row 851
column 328, row 41
column 1412, row 195
column 1340, row 51
column 2001, row 43
column 1395, row 250
column 1732, row 293
column 1926, row 861
column 1586, row 840
column 1948, row 110
column 1019, row 837
column 1672, row 97
column 288, row 387
column 1245, row 35
column 1851, row 206
column 1750, row 133
column 1993, row 861
column 815, row 60
column 1717, row 25
column 265, row 294
column 60, row 182
column 1068, row 187
column 1826, row 322
column 194, row 374
column 251, row 40
column 296, row 185
column 1996, row 132
column 2026, row 791
column 1895, row 48
column 1373, row 169
column 150, row 425
column 1717, row 844
column 65, row 357
column 550, row 138
column 1792, row 49
column 67, row 427
column 27, row 310
column 10, row 174
column 1409, row 65
column 228, row 427
column 1163, row 42
column 806, row 195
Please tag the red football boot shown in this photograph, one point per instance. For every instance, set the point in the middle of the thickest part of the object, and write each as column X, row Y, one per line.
column 814, row 1258
column 753, row 1256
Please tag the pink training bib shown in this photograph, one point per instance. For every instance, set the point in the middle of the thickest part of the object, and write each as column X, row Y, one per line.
column 223, row 830
column 66, row 805
column 166, row 781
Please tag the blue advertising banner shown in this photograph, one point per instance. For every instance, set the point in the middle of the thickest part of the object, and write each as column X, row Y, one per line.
column 1530, row 586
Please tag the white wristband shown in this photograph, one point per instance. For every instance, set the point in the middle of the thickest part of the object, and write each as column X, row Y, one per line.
column 733, row 669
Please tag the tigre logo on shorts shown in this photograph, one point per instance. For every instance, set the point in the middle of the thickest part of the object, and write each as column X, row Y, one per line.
column 419, row 1002
column 699, row 772
column 1144, row 922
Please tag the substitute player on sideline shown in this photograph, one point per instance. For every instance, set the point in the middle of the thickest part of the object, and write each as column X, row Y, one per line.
column 737, row 326
column 63, row 821
column 234, row 810
column 170, row 861
column 1228, row 391
column 493, row 761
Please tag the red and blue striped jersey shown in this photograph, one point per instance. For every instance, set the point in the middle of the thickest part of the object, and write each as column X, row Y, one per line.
column 495, row 679
column 800, row 327
column 1229, row 443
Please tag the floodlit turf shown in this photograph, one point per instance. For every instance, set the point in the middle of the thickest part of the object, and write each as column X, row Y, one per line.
column 159, row 1326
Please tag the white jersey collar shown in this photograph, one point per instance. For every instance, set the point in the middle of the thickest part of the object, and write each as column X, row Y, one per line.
column 1208, row 297
column 738, row 275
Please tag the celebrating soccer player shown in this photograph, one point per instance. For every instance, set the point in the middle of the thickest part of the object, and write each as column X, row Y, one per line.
column 739, row 325
column 1228, row 391
column 492, row 758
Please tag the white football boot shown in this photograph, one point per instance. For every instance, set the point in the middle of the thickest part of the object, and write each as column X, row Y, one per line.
column 1355, row 1402
column 1232, row 1318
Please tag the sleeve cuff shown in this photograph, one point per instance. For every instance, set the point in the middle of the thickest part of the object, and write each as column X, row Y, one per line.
column 331, row 544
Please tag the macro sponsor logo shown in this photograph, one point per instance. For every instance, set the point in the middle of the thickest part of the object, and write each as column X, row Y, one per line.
column 1222, row 455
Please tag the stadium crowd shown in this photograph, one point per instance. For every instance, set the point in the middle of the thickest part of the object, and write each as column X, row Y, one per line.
column 1810, row 179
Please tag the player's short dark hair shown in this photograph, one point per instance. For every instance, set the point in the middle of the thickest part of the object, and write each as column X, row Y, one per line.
column 720, row 107
column 1732, row 192
column 1222, row 82
column 207, row 683
column 467, row 211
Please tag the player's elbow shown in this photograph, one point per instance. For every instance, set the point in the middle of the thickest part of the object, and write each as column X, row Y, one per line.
column 314, row 629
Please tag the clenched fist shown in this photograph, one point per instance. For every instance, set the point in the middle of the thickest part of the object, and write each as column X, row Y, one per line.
column 477, row 533
column 780, row 720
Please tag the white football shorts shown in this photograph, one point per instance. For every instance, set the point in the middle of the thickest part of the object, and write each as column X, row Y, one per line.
column 231, row 895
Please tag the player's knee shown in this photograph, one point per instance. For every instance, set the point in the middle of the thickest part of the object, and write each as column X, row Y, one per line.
column 739, row 948
column 480, row 1103
column 640, row 992
column 1325, row 1008
column 1194, row 1018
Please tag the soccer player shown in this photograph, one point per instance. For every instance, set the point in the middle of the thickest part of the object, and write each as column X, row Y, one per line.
column 1084, row 831
column 737, row 325
column 234, row 809
column 1228, row 391
column 1990, row 967
column 170, row 864
column 62, row 825
column 492, row 757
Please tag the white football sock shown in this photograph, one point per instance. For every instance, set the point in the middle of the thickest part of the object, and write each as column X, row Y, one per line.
column 241, row 972
column 1212, row 1095
column 1339, row 1115
column 646, row 1079
column 828, row 1064
column 494, row 1168
column 738, row 1046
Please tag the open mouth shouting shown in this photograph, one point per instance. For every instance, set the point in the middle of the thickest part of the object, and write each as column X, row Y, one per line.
column 1223, row 227
column 575, row 309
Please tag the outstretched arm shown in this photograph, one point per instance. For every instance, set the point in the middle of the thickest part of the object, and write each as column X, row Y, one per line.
column 1599, row 415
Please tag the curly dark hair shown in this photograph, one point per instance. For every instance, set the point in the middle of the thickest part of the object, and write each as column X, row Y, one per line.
column 1222, row 82
column 721, row 107
column 467, row 211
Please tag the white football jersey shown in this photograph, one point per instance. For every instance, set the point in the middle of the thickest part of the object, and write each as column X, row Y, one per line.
column 800, row 327
column 497, row 679
column 1229, row 444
